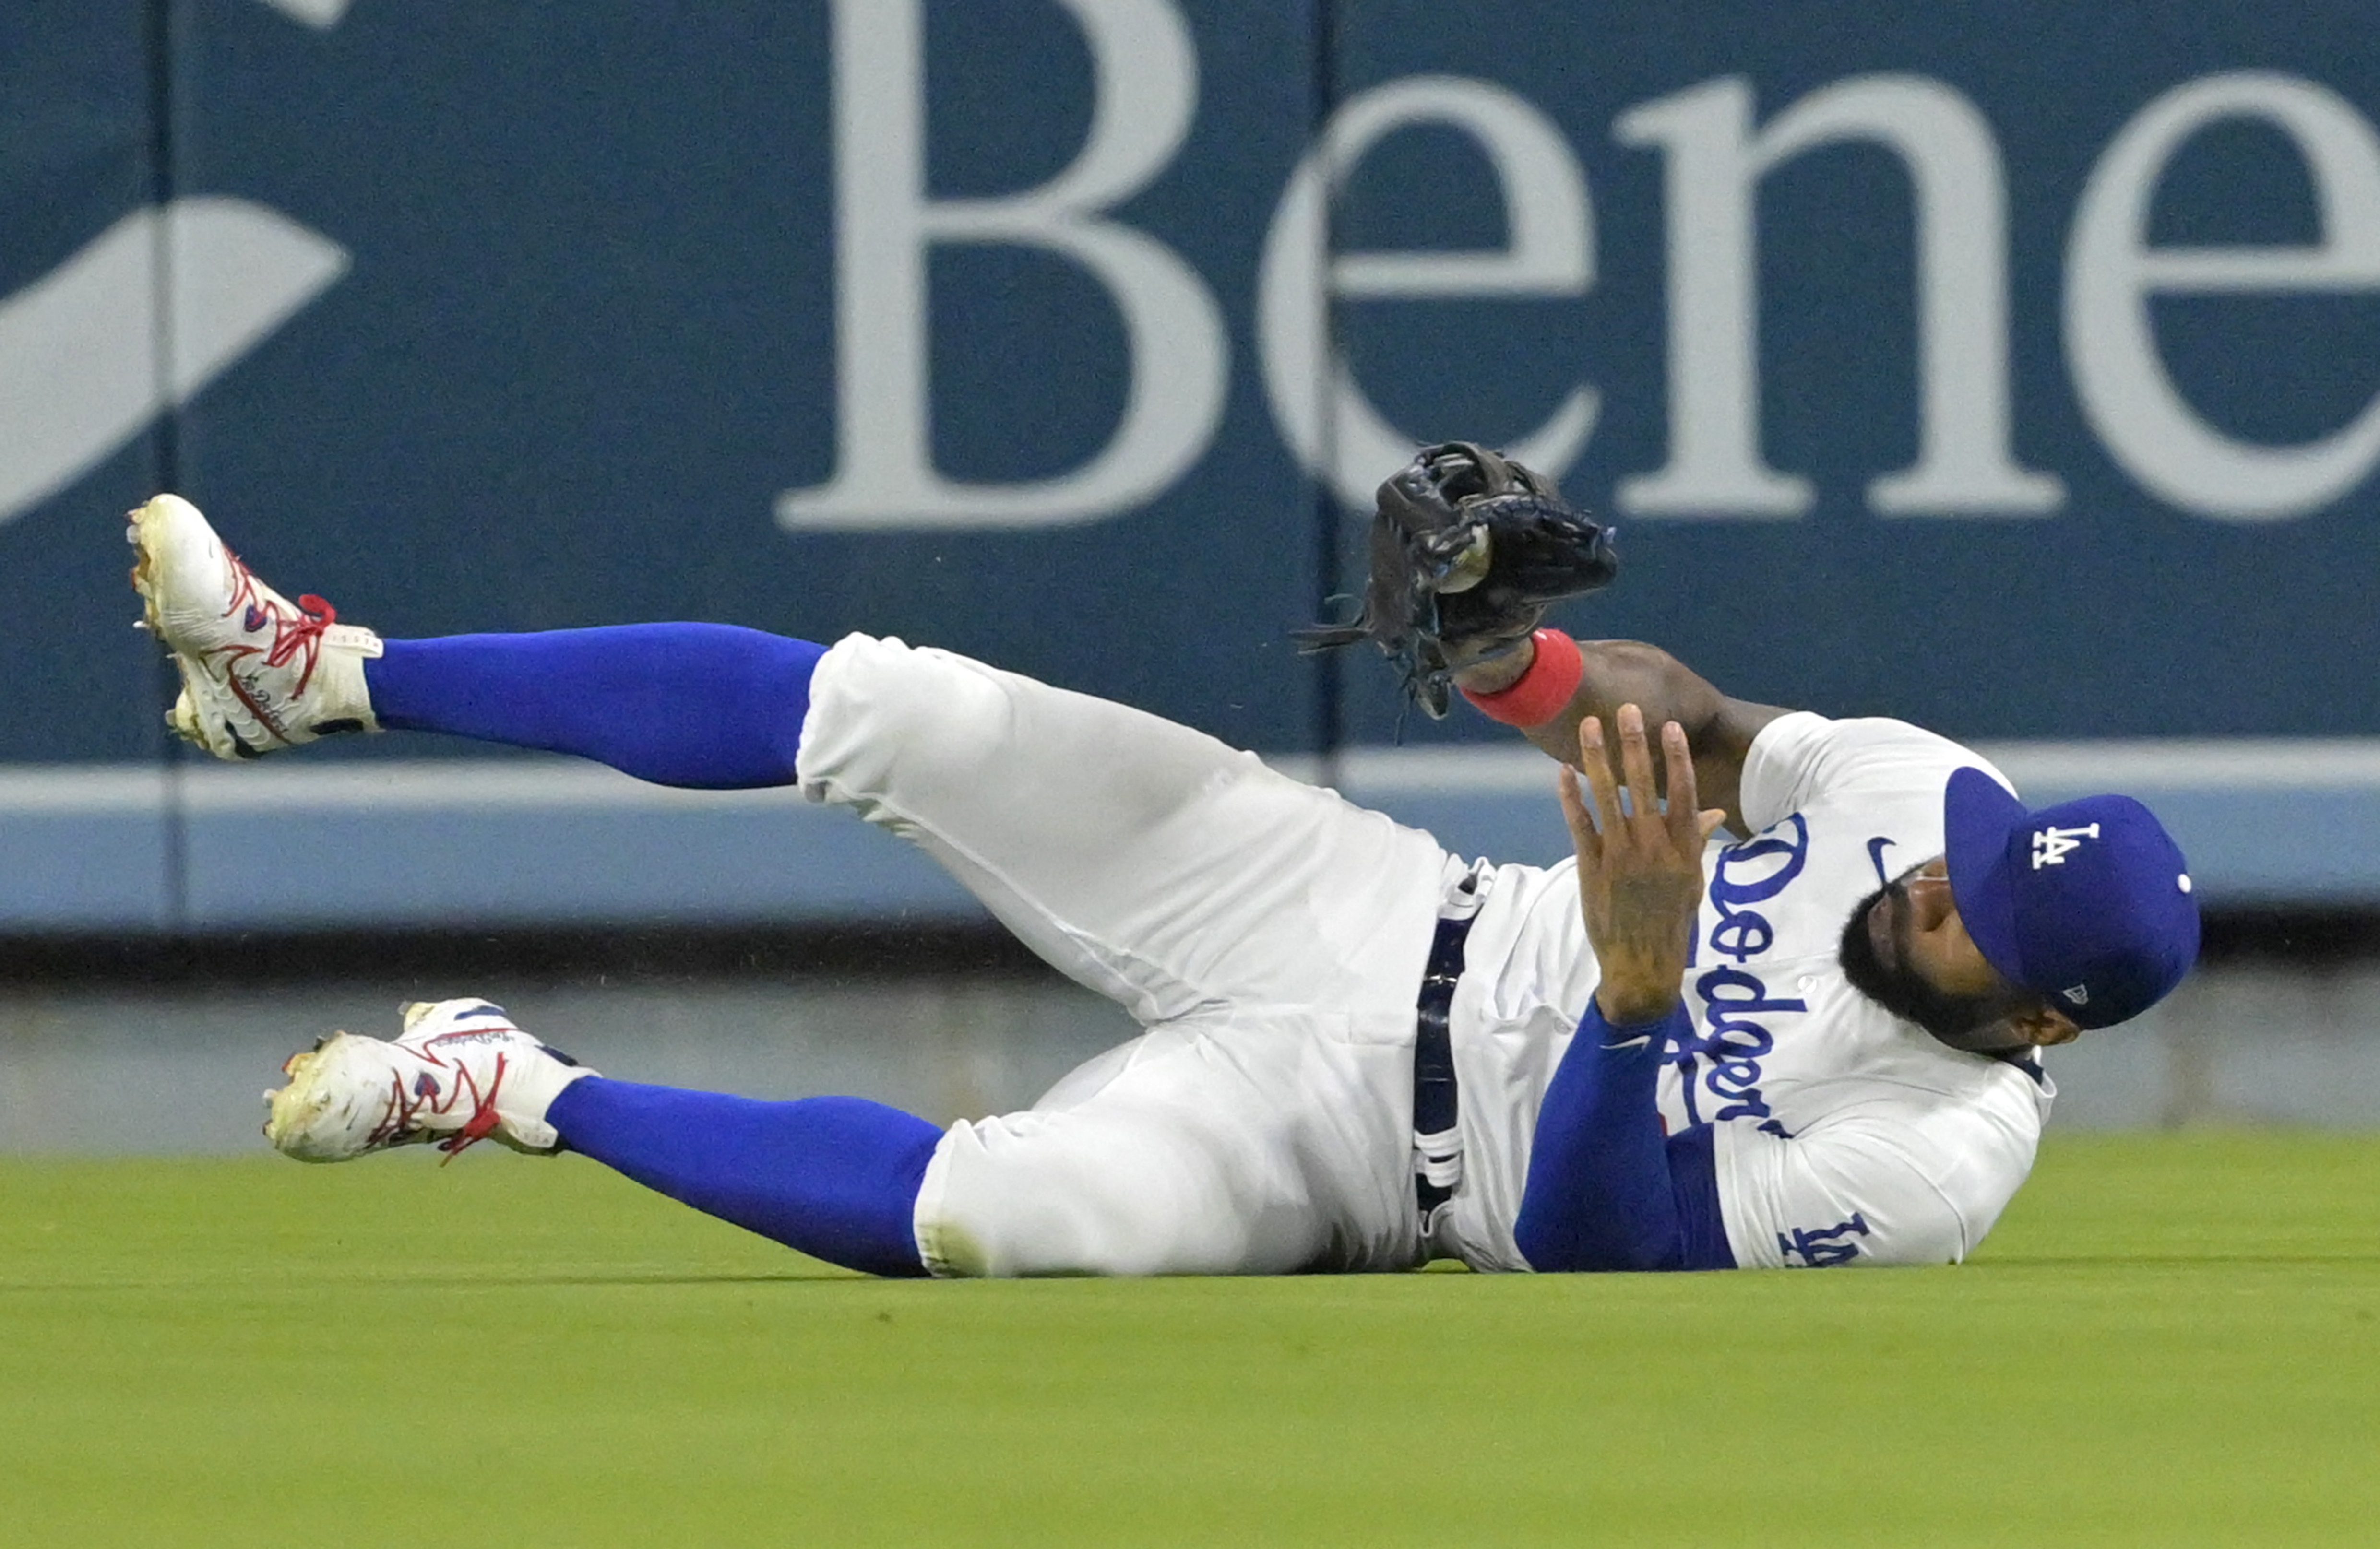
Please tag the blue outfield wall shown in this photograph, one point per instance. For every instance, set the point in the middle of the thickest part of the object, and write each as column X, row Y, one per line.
column 540, row 841
column 2023, row 380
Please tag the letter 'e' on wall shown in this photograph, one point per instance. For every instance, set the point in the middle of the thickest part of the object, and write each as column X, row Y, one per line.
column 2112, row 273
column 1328, row 423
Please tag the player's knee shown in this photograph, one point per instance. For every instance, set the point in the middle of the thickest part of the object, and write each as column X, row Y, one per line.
column 879, row 707
column 1040, row 1193
column 999, row 1200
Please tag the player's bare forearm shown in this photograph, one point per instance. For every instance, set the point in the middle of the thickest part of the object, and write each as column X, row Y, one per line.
column 1622, row 672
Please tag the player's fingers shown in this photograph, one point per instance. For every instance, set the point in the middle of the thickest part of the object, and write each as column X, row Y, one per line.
column 1636, row 764
column 1711, row 819
column 1595, row 764
column 1574, row 812
column 1678, row 759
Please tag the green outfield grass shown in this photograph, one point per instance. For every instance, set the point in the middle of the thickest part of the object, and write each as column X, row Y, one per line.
column 2171, row 1339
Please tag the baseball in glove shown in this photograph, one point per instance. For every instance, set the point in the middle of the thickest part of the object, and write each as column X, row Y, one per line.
column 1468, row 551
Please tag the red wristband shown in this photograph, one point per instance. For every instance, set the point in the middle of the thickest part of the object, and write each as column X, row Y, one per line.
column 1541, row 693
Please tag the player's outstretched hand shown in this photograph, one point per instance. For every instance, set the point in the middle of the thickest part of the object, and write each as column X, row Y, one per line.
column 1639, row 869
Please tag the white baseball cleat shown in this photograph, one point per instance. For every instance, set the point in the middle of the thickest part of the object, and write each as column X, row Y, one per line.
column 460, row 1073
column 259, row 672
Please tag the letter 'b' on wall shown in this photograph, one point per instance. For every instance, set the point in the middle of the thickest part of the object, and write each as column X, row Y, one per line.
column 1145, row 89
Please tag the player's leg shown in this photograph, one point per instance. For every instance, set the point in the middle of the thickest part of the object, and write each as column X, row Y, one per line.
column 1210, row 1146
column 1234, row 1144
column 703, row 705
column 681, row 704
column 836, row 1178
column 1146, row 860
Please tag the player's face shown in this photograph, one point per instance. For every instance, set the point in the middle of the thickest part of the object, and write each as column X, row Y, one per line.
column 1906, row 948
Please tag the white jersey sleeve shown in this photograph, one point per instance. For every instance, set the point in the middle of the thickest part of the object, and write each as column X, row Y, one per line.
column 1874, row 1186
column 1802, row 760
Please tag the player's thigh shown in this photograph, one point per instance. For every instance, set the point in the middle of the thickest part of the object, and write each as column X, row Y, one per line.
column 1146, row 860
column 1272, row 1149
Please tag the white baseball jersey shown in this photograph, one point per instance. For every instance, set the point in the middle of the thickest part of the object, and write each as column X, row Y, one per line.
column 1270, row 938
column 1842, row 1135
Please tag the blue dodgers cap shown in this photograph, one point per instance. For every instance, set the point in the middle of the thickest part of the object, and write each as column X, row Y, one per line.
column 2086, row 903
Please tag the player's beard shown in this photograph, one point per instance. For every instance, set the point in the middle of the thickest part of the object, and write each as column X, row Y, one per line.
column 1954, row 1019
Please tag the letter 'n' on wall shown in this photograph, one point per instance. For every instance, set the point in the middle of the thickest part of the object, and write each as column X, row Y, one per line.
column 1714, row 164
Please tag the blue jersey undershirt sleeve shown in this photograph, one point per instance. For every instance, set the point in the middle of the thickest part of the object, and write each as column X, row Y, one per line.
column 1607, row 1190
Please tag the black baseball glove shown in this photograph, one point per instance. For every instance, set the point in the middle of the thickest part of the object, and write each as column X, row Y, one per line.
column 1468, row 551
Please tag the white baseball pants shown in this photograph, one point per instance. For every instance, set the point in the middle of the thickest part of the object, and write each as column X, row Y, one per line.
column 1269, row 937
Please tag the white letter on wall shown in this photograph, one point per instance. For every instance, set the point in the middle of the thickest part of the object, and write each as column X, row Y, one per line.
column 1145, row 89
column 80, row 368
column 2111, row 272
column 1323, row 416
column 1714, row 165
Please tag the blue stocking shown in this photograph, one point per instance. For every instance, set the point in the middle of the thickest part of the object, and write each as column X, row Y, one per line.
column 702, row 705
column 836, row 1178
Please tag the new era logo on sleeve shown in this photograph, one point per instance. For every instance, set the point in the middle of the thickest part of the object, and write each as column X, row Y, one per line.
column 2050, row 845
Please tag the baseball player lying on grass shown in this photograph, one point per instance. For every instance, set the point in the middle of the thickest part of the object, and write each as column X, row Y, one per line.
column 1812, row 1046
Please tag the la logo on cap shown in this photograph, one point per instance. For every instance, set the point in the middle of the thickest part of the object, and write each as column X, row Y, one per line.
column 2050, row 845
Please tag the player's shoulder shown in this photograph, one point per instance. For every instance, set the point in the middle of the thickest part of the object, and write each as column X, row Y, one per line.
column 1801, row 736
column 1804, row 758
